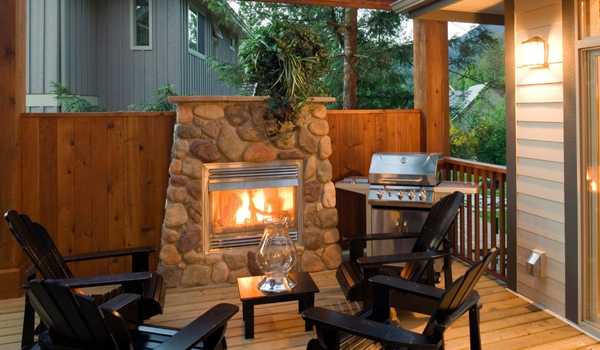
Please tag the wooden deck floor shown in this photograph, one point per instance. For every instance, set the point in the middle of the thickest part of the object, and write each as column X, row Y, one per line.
column 507, row 321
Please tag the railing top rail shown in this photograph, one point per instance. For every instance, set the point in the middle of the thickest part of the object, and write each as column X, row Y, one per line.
column 473, row 164
column 370, row 111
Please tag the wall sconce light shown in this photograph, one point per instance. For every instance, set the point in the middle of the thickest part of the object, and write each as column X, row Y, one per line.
column 535, row 52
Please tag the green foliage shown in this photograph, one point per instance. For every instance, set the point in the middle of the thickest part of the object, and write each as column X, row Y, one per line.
column 484, row 140
column 479, row 132
column 222, row 14
column 160, row 102
column 231, row 74
column 69, row 102
column 286, row 62
column 384, row 57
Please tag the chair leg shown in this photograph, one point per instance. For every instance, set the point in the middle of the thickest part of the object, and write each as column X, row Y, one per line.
column 475, row 334
column 28, row 330
column 140, row 262
column 447, row 272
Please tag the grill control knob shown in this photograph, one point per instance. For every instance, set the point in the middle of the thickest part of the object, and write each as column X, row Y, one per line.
column 380, row 194
column 411, row 195
column 421, row 195
column 400, row 195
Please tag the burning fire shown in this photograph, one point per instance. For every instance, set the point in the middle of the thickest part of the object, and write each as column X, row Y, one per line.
column 231, row 209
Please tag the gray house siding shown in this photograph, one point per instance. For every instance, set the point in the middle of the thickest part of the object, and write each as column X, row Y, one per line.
column 127, row 76
column 60, row 48
column 86, row 45
column 197, row 76
column 79, row 46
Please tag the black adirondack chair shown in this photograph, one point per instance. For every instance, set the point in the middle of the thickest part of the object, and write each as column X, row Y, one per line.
column 50, row 264
column 75, row 322
column 431, row 244
column 335, row 328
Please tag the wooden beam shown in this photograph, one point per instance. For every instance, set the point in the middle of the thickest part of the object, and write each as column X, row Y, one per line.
column 511, row 141
column 571, row 99
column 465, row 17
column 431, row 83
column 12, row 104
column 366, row 4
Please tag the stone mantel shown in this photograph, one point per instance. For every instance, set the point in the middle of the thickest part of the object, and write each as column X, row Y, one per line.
column 227, row 129
column 215, row 99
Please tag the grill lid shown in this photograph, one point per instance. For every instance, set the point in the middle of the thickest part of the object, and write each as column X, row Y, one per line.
column 409, row 169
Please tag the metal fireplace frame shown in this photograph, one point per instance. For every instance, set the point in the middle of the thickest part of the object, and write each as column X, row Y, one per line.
column 244, row 175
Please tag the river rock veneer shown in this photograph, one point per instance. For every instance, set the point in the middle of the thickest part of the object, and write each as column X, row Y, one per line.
column 232, row 129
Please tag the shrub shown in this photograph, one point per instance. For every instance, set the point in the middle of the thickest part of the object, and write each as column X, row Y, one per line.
column 68, row 102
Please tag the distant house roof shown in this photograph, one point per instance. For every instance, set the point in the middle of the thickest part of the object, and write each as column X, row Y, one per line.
column 461, row 100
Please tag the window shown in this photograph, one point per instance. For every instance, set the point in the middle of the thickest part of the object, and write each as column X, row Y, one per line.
column 141, row 32
column 196, row 32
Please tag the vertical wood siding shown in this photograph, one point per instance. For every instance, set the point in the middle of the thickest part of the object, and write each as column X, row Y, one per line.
column 127, row 76
column 86, row 45
column 357, row 134
column 61, row 47
column 540, row 149
column 196, row 75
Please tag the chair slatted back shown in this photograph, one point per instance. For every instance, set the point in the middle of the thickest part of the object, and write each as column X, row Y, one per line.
column 436, row 227
column 38, row 245
column 457, row 294
column 73, row 319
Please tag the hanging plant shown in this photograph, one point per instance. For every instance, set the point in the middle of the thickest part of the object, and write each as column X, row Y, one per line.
column 286, row 61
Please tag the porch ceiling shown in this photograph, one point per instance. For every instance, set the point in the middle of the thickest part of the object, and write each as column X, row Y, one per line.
column 474, row 11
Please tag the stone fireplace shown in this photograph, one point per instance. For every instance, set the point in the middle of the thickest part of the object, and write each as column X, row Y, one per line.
column 240, row 196
column 226, row 175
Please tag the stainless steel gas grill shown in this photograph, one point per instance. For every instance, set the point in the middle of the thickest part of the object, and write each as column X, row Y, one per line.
column 403, row 179
column 401, row 192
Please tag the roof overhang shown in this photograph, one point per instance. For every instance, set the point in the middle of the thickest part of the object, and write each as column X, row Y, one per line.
column 366, row 4
column 473, row 11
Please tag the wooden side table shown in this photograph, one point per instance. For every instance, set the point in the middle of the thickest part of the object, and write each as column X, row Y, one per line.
column 250, row 295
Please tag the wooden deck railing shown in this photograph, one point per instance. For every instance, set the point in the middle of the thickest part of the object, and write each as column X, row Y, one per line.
column 482, row 220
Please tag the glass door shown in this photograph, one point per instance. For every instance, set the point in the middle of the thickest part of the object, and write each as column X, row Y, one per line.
column 590, row 106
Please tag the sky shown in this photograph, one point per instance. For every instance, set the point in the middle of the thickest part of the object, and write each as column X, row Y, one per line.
column 454, row 28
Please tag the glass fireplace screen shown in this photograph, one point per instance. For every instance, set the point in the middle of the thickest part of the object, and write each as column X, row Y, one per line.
column 234, row 212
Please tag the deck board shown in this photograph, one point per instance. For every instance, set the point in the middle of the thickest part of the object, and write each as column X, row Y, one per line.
column 507, row 321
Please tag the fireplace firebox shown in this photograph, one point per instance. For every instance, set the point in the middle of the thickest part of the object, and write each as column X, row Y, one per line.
column 239, row 196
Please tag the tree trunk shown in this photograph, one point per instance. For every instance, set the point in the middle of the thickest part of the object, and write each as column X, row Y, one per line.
column 350, row 59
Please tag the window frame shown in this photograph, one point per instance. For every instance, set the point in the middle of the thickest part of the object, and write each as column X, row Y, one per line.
column 199, row 12
column 233, row 43
column 133, row 27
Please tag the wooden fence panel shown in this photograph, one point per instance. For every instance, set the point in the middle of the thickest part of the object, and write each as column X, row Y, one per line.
column 357, row 134
column 97, row 181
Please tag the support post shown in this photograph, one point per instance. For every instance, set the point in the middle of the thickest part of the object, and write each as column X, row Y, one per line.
column 431, row 83
column 12, row 103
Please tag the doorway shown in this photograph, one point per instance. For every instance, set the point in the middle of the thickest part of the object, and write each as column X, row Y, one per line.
column 590, row 214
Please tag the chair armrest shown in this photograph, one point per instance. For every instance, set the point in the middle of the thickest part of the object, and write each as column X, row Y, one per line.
column 201, row 328
column 106, row 280
column 384, row 333
column 109, row 254
column 381, row 237
column 398, row 284
column 366, row 261
column 126, row 304
column 471, row 301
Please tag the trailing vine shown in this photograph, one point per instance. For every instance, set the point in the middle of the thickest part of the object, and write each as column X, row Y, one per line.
column 284, row 61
